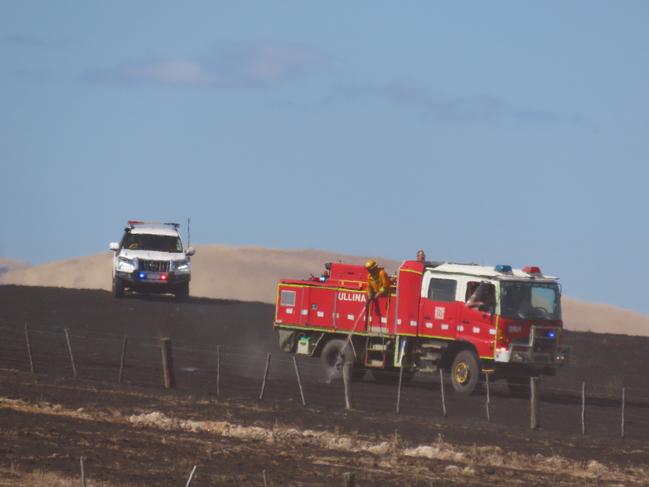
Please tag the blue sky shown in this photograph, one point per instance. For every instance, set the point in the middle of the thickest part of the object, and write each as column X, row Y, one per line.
column 495, row 132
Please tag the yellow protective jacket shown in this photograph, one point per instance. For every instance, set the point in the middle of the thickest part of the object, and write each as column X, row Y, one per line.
column 378, row 283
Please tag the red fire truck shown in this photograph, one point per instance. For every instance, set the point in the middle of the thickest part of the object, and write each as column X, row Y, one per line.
column 463, row 318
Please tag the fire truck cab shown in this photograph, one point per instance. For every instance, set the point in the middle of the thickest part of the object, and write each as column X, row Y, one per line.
column 463, row 318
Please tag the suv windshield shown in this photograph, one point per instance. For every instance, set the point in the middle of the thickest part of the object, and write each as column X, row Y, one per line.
column 528, row 300
column 159, row 243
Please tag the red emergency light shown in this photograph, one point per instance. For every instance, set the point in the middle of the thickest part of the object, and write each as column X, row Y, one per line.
column 532, row 269
column 163, row 277
column 135, row 222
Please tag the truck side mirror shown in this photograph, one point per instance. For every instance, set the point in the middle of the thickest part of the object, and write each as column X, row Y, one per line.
column 190, row 251
column 114, row 246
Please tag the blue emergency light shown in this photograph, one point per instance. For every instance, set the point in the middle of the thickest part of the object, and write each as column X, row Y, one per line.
column 503, row 268
column 142, row 275
column 552, row 334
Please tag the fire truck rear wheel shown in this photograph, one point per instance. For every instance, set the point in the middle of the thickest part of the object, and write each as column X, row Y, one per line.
column 465, row 372
column 332, row 358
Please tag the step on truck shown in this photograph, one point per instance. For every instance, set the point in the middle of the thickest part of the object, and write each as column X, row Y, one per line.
column 462, row 318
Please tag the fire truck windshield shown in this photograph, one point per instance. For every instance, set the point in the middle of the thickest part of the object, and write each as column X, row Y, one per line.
column 159, row 243
column 530, row 300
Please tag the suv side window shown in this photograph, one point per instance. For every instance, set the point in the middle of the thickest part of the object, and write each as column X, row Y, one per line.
column 442, row 290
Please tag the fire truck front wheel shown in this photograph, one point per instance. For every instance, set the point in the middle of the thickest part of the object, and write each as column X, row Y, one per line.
column 465, row 372
column 334, row 355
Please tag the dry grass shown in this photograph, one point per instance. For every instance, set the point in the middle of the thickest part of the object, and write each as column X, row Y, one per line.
column 13, row 477
column 461, row 461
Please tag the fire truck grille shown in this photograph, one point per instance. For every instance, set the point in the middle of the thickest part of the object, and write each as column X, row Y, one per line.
column 544, row 345
column 154, row 265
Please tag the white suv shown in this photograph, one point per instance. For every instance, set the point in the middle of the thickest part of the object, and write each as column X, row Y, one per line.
column 150, row 258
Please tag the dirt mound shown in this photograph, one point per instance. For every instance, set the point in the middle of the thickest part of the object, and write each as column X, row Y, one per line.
column 251, row 274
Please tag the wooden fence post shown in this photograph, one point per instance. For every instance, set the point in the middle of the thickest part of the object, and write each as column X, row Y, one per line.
column 299, row 381
column 67, row 340
column 263, row 474
column 167, row 363
column 263, row 383
column 122, row 361
column 28, row 343
column 534, row 421
column 441, row 388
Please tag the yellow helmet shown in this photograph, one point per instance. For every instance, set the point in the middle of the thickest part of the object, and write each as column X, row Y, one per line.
column 370, row 264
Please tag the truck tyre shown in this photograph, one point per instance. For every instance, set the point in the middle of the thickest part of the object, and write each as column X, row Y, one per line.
column 118, row 287
column 465, row 372
column 182, row 292
column 332, row 358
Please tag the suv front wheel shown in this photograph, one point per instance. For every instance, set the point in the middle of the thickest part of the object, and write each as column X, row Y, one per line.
column 182, row 291
column 118, row 287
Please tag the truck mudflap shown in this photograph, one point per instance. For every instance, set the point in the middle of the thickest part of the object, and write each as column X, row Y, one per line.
column 541, row 351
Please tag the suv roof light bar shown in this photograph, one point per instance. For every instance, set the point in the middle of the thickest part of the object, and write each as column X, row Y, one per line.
column 132, row 223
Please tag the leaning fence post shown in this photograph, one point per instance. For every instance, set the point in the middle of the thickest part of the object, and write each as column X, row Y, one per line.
column 29, row 350
column 488, row 401
column 263, row 474
column 167, row 363
column 299, row 381
column 347, row 366
column 191, row 475
column 399, row 389
column 534, row 422
column 623, row 407
column 218, row 370
column 441, row 388
column 67, row 339
column 83, row 473
column 121, row 361
column 263, row 382
column 583, row 408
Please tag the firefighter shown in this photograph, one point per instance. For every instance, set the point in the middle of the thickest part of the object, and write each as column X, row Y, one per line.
column 378, row 282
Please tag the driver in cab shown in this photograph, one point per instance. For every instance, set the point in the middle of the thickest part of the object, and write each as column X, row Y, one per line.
column 483, row 297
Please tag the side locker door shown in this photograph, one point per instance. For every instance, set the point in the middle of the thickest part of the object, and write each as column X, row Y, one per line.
column 438, row 309
column 321, row 307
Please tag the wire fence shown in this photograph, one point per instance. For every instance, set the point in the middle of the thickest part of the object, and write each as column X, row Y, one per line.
column 247, row 373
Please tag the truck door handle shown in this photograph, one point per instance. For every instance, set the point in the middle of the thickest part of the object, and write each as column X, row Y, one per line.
column 427, row 317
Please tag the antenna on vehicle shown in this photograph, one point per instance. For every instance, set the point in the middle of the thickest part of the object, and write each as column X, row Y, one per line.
column 188, row 234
